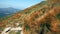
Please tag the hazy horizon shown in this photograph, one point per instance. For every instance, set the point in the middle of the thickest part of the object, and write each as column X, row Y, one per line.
column 18, row 4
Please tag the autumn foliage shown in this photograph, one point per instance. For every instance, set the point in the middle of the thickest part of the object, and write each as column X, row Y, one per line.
column 37, row 22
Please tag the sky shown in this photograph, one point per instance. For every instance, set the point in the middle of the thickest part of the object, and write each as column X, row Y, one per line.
column 18, row 4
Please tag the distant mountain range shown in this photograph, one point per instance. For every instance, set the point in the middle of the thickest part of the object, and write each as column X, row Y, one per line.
column 7, row 11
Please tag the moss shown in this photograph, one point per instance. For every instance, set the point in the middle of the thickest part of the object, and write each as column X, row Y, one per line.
column 41, row 25
column 19, row 32
column 26, row 28
column 48, row 25
column 26, row 12
column 57, row 16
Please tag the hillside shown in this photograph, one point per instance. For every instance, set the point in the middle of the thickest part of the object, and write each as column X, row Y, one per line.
column 7, row 11
column 42, row 18
column 27, row 10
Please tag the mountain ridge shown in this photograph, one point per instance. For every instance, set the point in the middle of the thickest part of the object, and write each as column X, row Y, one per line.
column 37, row 20
column 7, row 11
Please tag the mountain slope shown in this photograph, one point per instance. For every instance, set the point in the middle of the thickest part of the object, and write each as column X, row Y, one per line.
column 18, row 15
column 32, row 8
column 36, row 19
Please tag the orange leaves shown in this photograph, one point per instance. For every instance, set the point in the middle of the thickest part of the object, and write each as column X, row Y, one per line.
column 53, row 24
column 54, row 21
column 35, row 18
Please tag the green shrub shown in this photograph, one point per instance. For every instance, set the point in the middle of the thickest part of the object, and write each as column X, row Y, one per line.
column 26, row 28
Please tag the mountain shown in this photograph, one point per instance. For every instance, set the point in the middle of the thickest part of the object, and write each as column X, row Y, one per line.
column 42, row 18
column 7, row 11
column 28, row 10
